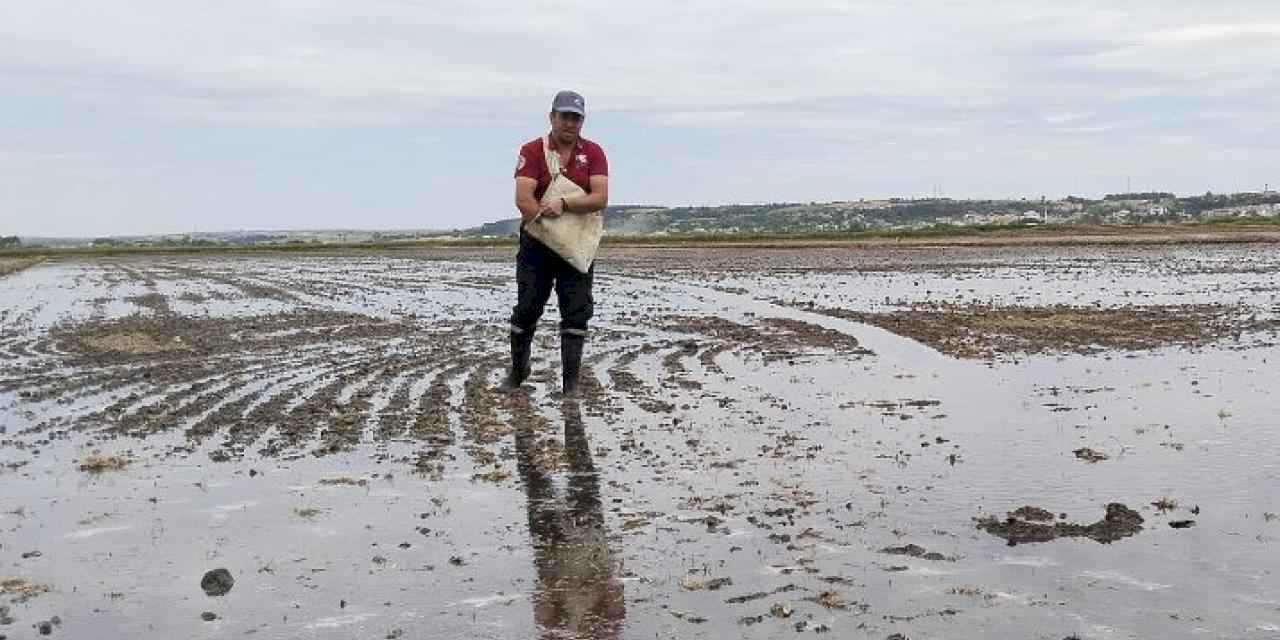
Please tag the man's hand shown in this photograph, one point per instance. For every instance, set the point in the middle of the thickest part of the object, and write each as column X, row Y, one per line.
column 553, row 208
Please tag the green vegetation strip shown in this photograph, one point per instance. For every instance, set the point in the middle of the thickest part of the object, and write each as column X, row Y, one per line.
column 16, row 264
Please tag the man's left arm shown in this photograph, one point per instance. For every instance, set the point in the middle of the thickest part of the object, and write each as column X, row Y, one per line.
column 597, row 197
column 597, row 200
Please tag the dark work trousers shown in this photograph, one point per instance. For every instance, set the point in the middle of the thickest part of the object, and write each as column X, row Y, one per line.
column 538, row 269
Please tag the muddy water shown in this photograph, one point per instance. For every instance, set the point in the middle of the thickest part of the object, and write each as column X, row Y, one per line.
column 360, row 478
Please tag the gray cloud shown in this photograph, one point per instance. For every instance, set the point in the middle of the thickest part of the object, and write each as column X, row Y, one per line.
column 874, row 95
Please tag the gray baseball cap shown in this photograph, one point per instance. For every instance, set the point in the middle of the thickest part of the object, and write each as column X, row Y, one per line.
column 570, row 101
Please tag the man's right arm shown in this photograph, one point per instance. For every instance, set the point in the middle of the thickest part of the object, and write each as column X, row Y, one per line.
column 526, row 183
column 525, row 202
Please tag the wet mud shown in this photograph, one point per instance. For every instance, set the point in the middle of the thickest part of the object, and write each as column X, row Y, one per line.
column 767, row 443
column 988, row 331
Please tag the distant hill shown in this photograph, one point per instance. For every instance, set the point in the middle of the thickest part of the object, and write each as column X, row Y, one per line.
column 776, row 217
column 904, row 213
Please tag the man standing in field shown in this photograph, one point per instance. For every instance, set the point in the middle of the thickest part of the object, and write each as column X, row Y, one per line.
column 538, row 268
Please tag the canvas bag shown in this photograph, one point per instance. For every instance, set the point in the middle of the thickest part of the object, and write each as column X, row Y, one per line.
column 573, row 236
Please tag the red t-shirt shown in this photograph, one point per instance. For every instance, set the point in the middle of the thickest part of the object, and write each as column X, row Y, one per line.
column 586, row 160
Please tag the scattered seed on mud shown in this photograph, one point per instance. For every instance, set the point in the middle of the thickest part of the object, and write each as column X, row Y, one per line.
column 916, row 551
column 714, row 584
column 22, row 588
column 832, row 600
column 96, row 463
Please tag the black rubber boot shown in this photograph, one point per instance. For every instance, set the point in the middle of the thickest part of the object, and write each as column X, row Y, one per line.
column 570, row 361
column 521, row 346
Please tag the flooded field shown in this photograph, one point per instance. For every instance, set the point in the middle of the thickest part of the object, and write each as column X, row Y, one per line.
column 973, row 442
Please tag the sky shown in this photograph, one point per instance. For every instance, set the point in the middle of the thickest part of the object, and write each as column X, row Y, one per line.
column 169, row 116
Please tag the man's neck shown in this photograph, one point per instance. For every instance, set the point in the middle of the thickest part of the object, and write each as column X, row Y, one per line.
column 557, row 145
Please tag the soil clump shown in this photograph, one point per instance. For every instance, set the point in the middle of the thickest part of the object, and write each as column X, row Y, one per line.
column 1118, row 523
column 985, row 331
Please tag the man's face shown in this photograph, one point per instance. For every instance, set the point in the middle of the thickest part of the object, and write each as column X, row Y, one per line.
column 565, row 126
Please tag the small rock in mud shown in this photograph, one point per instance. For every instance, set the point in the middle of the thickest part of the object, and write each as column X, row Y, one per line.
column 1182, row 524
column 208, row 616
column 1119, row 522
column 1090, row 455
column 45, row 627
column 780, row 610
column 31, row 554
column 217, row 582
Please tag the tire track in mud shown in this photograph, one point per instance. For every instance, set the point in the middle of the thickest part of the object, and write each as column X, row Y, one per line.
column 203, row 383
column 319, row 381
column 431, row 425
column 623, row 379
column 247, row 289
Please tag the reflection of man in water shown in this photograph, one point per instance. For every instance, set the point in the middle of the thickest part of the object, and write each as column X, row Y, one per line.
column 578, row 593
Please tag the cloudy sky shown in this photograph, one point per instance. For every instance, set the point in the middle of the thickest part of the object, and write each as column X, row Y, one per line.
column 149, row 116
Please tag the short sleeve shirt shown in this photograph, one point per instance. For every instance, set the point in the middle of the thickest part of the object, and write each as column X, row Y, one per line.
column 586, row 160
